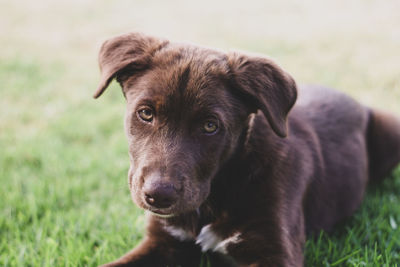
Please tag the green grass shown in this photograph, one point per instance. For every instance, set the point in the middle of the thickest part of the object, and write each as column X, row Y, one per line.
column 64, row 199
column 370, row 238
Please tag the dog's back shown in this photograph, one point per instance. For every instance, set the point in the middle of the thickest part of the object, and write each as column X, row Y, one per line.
column 344, row 129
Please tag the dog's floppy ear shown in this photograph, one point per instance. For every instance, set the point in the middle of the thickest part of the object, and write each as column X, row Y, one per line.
column 266, row 85
column 132, row 50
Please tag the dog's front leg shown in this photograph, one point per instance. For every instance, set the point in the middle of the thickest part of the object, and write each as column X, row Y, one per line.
column 156, row 253
column 160, row 249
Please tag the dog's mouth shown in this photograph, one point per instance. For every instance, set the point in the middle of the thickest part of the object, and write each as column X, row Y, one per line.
column 160, row 214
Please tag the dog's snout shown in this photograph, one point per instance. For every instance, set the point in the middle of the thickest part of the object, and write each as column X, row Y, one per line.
column 161, row 195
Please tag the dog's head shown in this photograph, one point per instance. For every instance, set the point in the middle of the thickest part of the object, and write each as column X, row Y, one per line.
column 187, row 106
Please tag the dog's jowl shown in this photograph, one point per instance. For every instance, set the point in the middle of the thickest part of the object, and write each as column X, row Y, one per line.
column 230, row 157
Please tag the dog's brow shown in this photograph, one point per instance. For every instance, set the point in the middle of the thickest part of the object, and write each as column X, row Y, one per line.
column 184, row 79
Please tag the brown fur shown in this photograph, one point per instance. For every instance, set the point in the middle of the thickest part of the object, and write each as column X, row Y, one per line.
column 252, row 189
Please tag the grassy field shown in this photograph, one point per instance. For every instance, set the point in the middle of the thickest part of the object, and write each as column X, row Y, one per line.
column 64, row 199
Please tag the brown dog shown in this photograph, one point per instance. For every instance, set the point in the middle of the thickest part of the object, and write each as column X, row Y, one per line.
column 222, row 166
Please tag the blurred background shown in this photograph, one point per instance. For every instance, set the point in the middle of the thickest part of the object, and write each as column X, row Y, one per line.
column 63, row 157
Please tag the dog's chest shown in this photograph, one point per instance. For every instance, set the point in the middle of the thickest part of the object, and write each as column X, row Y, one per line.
column 207, row 239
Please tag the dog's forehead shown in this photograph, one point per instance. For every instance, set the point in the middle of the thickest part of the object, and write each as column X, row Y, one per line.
column 184, row 75
column 190, row 67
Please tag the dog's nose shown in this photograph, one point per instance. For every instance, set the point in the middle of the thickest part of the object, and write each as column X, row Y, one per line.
column 161, row 196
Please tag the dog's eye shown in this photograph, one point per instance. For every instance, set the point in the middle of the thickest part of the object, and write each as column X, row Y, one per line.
column 210, row 127
column 146, row 114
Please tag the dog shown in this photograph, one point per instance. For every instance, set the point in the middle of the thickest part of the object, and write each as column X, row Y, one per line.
column 229, row 156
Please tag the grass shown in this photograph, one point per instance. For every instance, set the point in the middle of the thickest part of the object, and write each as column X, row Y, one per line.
column 370, row 238
column 64, row 199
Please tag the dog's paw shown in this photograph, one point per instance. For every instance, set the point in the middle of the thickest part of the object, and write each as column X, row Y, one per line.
column 207, row 239
column 210, row 241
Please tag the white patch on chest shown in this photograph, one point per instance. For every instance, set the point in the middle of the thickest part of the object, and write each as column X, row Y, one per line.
column 208, row 240
column 179, row 233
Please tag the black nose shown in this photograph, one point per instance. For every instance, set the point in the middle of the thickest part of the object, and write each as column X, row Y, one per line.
column 161, row 195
